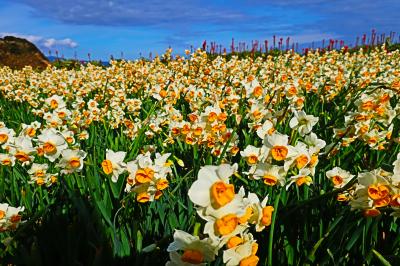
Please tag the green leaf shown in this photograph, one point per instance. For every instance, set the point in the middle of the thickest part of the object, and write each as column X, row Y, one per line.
column 381, row 258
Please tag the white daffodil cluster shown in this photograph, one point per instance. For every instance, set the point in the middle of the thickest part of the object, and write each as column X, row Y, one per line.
column 277, row 162
column 373, row 191
column 35, row 141
column 10, row 217
column 147, row 177
column 371, row 120
column 217, row 91
column 228, row 216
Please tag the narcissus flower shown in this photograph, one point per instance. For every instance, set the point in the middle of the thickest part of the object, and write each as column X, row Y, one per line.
column 242, row 254
column 114, row 164
column 339, row 177
column 303, row 177
column 251, row 154
column 261, row 214
column 23, row 150
column 270, row 174
column 53, row 143
column 372, row 191
column 315, row 144
column 226, row 221
column 30, row 130
column 212, row 186
column 194, row 250
column 303, row 122
column 9, row 217
column 267, row 128
column 6, row 135
column 7, row 159
column 55, row 102
column 277, row 145
column 147, row 178
column 299, row 158
column 71, row 161
column 38, row 173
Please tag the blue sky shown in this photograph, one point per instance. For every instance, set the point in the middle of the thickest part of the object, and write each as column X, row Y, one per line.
column 105, row 27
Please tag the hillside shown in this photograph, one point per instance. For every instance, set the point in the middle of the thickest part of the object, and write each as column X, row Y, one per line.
column 17, row 53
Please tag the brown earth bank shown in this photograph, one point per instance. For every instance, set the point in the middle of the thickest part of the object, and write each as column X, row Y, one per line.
column 18, row 53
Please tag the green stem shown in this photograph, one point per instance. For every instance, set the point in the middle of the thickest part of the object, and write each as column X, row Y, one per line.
column 271, row 232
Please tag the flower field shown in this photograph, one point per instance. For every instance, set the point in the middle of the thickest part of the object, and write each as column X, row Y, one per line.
column 282, row 159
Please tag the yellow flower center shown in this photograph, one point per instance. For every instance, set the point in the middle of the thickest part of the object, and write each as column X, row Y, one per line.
column 162, row 184
column 221, row 194
column 257, row 115
column 382, row 202
column 270, row 180
column 189, row 140
column 6, row 161
column 267, row 215
column 185, row 129
column 2, row 214
column 22, row 156
column 192, row 256
column 252, row 159
column 342, row 197
column 292, row 91
column 49, row 148
column 369, row 105
column 251, row 260
column 364, row 129
column 271, row 131
column 31, row 132
column 372, row 213
column 163, row 93
column 235, row 150
column 107, row 167
column 226, row 225
column 301, row 161
column 75, row 162
column 337, row 180
column 3, row 138
column 243, row 219
column 233, row 242
column 303, row 180
column 61, row 115
column 53, row 104
column 314, row 160
column 15, row 218
column 198, row 131
column 377, row 192
column 39, row 181
column 143, row 197
column 192, row 117
column 279, row 153
column 144, row 175
column 40, row 151
column 158, row 194
column 222, row 117
column 40, row 173
column 212, row 117
column 257, row 91
column 53, row 179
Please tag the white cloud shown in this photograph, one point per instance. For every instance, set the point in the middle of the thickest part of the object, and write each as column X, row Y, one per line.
column 42, row 42
column 50, row 43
